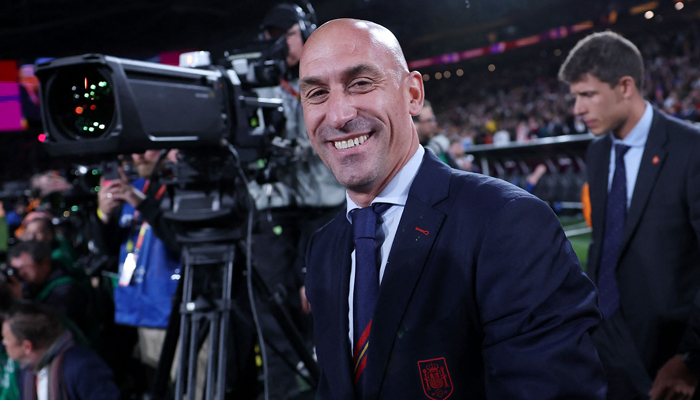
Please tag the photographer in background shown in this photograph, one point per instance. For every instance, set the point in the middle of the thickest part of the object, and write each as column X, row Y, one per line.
column 38, row 226
column 131, row 225
column 304, row 199
column 47, row 281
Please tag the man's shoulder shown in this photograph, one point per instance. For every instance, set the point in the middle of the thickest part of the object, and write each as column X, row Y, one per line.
column 77, row 359
column 334, row 227
column 678, row 129
column 482, row 195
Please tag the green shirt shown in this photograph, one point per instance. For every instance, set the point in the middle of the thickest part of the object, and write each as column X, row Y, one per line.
column 8, row 377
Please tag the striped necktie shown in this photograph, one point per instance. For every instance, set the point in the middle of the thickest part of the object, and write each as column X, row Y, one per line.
column 364, row 227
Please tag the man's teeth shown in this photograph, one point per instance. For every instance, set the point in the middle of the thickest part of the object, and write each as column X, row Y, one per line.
column 346, row 144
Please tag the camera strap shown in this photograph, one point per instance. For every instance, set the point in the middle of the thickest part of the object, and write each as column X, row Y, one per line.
column 132, row 257
column 289, row 88
column 129, row 266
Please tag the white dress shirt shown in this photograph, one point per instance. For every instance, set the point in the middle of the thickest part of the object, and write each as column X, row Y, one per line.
column 42, row 384
column 395, row 193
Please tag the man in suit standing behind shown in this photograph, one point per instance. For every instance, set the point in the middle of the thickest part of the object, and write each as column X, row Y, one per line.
column 644, row 176
column 474, row 292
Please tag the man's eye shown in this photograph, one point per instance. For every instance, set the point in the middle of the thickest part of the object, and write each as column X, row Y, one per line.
column 361, row 85
column 316, row 94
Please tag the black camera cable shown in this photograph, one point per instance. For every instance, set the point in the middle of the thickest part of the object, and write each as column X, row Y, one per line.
column 249, row 266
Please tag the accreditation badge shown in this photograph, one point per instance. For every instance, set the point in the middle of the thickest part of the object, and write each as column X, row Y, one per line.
column 127, row 270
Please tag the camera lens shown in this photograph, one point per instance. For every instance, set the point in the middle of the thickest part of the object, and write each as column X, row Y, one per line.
column 81, row 102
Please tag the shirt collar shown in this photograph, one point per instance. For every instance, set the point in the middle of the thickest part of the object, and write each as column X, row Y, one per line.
column 639, row 134
column 396, row 192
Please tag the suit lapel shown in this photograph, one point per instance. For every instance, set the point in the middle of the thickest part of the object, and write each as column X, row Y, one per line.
column 417, row 231
column 652, row 161
column 340, row 381
column 599, row 168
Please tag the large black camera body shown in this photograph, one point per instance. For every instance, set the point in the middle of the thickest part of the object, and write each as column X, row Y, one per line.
column 95, row 107
column 95, row 104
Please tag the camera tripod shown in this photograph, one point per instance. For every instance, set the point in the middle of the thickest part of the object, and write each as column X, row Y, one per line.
column 207, row 302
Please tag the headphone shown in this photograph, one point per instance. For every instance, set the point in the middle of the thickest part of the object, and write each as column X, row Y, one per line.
column 305, row 19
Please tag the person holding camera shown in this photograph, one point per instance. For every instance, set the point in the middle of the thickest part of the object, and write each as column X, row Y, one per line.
column 131, row 225
column 305, row 198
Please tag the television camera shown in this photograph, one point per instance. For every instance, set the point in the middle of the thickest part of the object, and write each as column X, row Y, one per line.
column 96, row 106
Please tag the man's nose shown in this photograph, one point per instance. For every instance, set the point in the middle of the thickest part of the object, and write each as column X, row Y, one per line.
column 340, row 109
column 579, row 108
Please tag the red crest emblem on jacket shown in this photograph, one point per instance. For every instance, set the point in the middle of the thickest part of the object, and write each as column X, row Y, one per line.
column 435, row 377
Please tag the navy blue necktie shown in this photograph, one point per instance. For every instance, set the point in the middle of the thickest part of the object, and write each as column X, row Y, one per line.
column 615, row 215
column 364, row 226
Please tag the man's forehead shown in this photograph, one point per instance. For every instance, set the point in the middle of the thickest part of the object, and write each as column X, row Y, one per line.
column 352, row 38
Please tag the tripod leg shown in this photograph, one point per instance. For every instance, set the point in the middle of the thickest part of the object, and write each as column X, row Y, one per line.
column 185, row 320
column 192, row 358
column 167, row 355
column 225, row 315
column 213, row 353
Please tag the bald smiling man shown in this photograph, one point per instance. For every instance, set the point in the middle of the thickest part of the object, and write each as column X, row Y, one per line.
column 434, row 283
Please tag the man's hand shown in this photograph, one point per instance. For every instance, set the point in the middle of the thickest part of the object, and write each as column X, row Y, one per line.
column 114, row 193
column 674, row 381
column 107, row 202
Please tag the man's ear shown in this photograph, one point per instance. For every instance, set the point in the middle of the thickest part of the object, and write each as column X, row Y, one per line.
column 416, row 92
column 27, row 347
column 627, row 87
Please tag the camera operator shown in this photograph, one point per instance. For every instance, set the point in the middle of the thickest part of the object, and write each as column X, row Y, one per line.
column 131, row 224
column 304, row 199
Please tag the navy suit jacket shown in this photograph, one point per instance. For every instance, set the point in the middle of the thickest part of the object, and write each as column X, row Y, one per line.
column 658, row 269
column 481, row 290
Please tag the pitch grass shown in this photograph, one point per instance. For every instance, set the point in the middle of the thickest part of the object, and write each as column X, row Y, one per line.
column 581, row 242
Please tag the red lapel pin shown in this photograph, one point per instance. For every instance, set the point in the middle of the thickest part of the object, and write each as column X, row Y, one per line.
column 422, row 231
column 656, row 160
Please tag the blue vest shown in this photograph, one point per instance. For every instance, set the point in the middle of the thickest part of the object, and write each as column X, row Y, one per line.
column 146, row 301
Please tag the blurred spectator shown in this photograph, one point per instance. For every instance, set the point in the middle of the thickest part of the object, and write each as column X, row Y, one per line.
column 532, row 179
column 426, row 124
column 53, row 366
column 49, row 182
column 8, row 366
column 501, row 138
column 457, row 151
column 49, row 282
column 4, row 231
column 38, row 226
column 427, row 128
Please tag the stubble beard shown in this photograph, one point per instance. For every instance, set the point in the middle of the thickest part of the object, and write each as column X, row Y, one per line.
column 355, row 172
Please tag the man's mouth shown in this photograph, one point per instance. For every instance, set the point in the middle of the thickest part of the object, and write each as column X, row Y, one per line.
column 350, row 143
